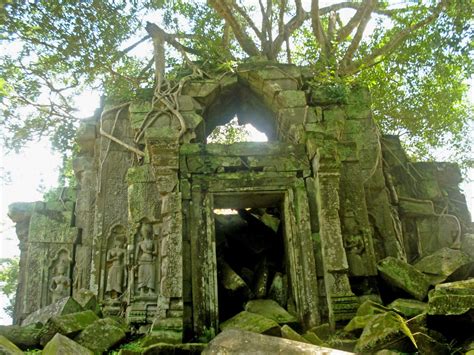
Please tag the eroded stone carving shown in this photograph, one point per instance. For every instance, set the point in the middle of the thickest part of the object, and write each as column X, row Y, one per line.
column 116, row 275
column 145, row 257
column 60, row 285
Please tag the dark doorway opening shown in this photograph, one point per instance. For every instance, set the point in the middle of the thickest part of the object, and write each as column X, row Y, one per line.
column 250, row 258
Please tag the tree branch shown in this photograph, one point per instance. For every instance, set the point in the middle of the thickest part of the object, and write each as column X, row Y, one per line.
column 242, row 37
column 318, row 27
column 353, row 22
column 365, row 18
column 374, row 57
column 250, row 22
column 129, row 48
column 294, row 23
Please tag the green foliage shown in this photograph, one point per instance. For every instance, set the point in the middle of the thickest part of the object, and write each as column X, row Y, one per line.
column 9, row 268
column 52, row 50
column 229, row 133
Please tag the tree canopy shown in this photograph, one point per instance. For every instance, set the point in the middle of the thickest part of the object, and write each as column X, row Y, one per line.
column 416, row 57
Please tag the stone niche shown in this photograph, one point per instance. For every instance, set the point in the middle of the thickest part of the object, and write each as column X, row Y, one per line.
column 314, row 209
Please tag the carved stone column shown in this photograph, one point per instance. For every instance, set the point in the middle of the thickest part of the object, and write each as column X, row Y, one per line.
column 342, row 303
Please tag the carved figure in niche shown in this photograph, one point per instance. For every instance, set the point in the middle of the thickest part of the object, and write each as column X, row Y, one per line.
column 116, row 277
column 354, row 245
column 145, row 256
column 60, row 283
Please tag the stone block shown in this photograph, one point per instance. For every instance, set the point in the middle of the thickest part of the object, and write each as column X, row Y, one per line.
column 289, row 333
column 404, row 276
column 408, row 308
column 188, row 103
column 445, row 263
column 284, row 83
column 312, row 338
column 64, row 306
column 234, row 341
column 87, row 299
column 415, row 208
column 26, row 337
column 140, row 174
column 271, row 310
column 192, row 119
column 8, row 348
column 252, row 322
column 291, row 98
column 63, row 345
column 101, row 335
column 169, row 330
column 69, row 325
column 428, row 345
column 452, row 298
column 467, row 245
column 140, row 106
column 380, row 330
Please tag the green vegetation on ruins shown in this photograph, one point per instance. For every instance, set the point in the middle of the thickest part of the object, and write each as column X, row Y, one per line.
column 416, row 58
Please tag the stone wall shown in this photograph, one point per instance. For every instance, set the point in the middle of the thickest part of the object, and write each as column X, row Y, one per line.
column 144, row 232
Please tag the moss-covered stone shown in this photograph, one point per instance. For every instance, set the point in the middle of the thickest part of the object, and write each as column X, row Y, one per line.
column 63, row 345
column 289, row 333
column 428, row 345
column 381, row 330
column 323, row 331
column 8, row 348
column 101, row 335
column 26, row 337
column 313, row 338
column 408, row 308
column 68, row 325
column 252, row 322
column 234, row 341
column 64, row 306
column 443, row 263
column 453, row 298
column 270, row 309
column 404, row 276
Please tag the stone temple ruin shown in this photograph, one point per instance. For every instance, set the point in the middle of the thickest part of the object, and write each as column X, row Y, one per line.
column 328, row 214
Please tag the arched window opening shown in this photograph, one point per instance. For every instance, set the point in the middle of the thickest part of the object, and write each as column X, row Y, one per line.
column 238, row 115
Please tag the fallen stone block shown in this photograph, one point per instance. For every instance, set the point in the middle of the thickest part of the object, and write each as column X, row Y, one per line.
column 313, row 338
column 279, row 289
column 272, row 310
column 454, row 298
column 444, row 263
column 428, row 345
column 408, row 308
column 26, row 337
column 404, row 276
column 383, row 330
column 252, row 322
column 234, row 341
column 289, row 333
column 101, row 335
column 323, row 331
column 63, row 306
column 69, row 325
column 8, row 348
column 63, row 345
column 364, row 314
column 88, row 300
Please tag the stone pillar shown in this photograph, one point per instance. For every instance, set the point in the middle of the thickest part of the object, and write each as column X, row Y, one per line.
column 85, row 170
column 342, row 303
column 163, row 152
column 20, row 213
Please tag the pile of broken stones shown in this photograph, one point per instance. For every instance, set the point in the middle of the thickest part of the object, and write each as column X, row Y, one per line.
column 426, row 307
